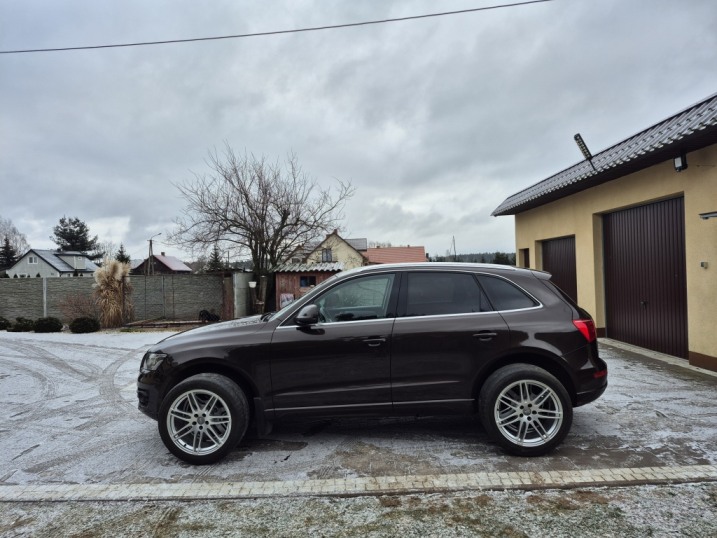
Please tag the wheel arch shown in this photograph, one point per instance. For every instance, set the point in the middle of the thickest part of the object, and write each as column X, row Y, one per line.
column 549, row 363
column 209, row 365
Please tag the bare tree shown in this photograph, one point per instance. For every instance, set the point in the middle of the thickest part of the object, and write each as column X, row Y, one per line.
column 108, row 248
column 259, row 208
column 17, row 240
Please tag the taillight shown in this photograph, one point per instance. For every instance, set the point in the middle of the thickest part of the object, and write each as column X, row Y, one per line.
column 586, row 328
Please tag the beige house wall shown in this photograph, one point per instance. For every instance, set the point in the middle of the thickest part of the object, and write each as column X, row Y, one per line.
column 341, row 251
column 581, row 215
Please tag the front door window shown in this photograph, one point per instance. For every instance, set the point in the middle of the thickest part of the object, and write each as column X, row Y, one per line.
column 357, row 300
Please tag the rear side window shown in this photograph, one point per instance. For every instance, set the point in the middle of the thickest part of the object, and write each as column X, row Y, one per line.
column 436, row 294
column 505, row 295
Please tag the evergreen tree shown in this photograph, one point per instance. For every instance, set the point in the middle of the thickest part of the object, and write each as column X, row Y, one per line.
column 504, row 258
column 74, row 235
column 8, row 255
column 122, row 255
column 215, row 261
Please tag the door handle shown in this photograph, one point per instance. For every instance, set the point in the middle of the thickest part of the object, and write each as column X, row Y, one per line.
column 485, row 336
column 374, row 342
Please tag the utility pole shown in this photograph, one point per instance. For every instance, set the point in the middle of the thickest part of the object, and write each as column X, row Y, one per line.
column 149, row 266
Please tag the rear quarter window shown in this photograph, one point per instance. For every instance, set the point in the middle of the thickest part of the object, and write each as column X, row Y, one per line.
column 505, row 295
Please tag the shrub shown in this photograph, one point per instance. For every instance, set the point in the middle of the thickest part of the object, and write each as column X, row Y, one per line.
column 79, row 305
column 22, row 325
column 4, row 324
column 84, row 325
column 48, row 325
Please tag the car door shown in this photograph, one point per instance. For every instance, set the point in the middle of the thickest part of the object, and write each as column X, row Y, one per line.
column 444, row 333
column 342, row 363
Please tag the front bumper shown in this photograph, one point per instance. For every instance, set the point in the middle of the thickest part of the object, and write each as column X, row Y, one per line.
column 148, row 400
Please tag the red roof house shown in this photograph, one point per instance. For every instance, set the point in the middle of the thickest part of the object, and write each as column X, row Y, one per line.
column 396, row 255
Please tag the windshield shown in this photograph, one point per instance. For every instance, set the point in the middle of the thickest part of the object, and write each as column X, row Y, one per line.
column 307, row 296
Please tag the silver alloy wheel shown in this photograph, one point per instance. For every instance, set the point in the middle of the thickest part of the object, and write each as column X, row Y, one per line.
column 528, row 413
column 199, row 422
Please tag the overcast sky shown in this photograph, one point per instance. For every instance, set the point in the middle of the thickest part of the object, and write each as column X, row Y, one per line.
column 434, row 121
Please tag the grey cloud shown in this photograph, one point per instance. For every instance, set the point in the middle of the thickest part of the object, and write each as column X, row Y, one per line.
column 460, row 110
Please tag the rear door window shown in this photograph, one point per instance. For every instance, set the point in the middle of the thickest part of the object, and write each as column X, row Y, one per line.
column 437, row 294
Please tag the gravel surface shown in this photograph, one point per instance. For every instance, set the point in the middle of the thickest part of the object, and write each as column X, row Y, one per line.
column 680, row 510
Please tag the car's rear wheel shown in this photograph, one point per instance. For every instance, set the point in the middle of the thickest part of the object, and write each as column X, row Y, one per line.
column 525, row 409
column 202, row 418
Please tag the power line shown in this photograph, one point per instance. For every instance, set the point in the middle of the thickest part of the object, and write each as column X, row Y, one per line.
column 276, row 32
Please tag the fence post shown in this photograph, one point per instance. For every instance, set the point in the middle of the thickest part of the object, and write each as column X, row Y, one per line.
column 44, row 297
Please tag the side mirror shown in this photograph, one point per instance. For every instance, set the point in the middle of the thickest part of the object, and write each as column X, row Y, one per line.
column 309, row 315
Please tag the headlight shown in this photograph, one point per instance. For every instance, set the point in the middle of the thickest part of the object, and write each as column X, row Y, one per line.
column 152, row 361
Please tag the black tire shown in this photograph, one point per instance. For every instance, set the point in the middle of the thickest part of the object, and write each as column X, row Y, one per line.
column 203, row 418
column 525, row 409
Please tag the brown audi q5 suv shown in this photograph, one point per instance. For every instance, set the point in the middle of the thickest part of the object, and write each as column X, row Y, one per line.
column 384, row 340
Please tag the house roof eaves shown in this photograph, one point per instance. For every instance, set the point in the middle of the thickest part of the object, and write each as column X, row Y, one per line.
column 52, row 258
column 173, row 264
column 689, row 130
column 310, row 267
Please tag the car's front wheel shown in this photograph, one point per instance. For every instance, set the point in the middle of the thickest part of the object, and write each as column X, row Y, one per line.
column 525, row 409
column 203, row 417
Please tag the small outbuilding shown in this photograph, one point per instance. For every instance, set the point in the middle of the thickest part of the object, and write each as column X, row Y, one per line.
column 161, row 265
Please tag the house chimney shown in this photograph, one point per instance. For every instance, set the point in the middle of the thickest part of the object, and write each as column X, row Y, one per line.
column 163, row 254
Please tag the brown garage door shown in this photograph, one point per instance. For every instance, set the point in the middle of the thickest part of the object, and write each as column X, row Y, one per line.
column 559, row 260
column 645, row 282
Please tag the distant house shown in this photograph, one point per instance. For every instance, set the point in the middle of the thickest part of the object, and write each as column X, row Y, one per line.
column 161, row 265
column 308, row 266
column 52, row 263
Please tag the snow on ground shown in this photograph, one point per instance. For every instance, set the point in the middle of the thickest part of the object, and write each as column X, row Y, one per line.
column 71, row 417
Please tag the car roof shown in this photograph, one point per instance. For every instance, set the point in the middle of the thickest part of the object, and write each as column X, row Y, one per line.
column 442, row 266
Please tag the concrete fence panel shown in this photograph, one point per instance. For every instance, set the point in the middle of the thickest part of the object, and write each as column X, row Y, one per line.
column 177, row 297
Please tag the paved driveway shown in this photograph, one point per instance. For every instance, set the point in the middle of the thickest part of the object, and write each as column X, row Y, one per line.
column 71, row 418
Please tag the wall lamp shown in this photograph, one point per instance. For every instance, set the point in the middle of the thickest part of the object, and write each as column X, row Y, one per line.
column 680, row 162
column 710, row 215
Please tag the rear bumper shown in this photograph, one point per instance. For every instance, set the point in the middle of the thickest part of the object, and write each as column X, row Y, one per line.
column 595, row 385
column 582, row 398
